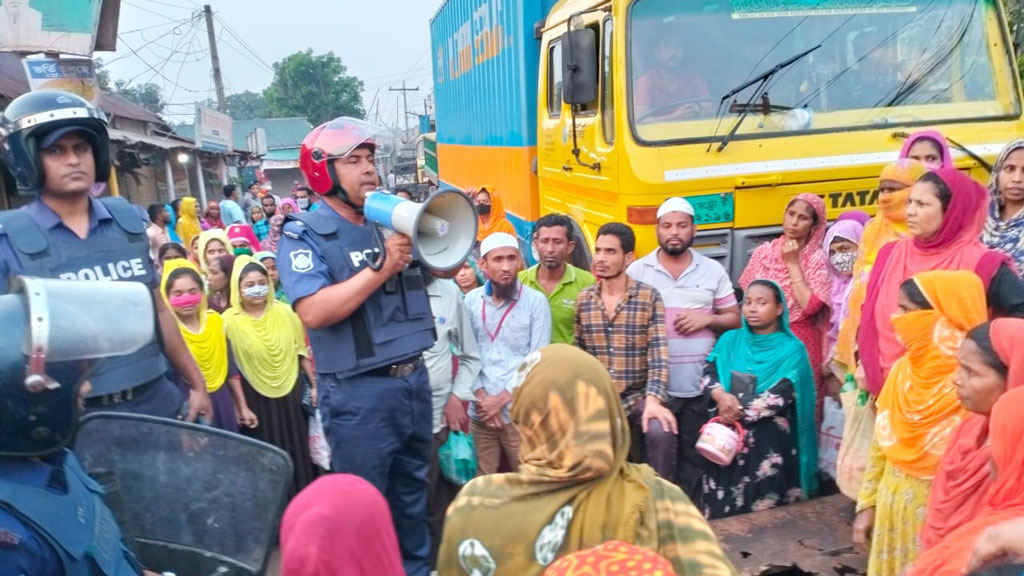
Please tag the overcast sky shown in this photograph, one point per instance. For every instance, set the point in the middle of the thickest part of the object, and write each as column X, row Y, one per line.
column 380, row 41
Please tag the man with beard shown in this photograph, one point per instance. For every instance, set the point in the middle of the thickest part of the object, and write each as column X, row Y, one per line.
column 553, row 276
column 699, row 305
column 621, row 322
column 510, row 322
column 670, row 91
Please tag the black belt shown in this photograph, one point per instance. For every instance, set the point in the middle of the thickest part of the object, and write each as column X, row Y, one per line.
column 122, row 396
column 398, row 369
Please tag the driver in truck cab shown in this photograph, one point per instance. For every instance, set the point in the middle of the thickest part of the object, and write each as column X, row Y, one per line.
column 670, row 90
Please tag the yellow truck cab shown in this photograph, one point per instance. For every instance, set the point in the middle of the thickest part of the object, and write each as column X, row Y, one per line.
column 737, row 105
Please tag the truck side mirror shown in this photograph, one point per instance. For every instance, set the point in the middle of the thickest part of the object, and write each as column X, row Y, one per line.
column 579, row 66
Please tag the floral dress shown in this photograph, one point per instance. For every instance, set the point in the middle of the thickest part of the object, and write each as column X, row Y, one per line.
column 766, row 472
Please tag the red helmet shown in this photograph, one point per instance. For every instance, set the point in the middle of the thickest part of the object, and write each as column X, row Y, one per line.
column 329, row 141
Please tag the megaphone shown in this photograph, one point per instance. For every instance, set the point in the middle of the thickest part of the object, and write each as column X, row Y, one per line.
column 442, row 228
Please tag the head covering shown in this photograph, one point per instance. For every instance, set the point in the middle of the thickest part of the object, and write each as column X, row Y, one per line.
column 1004, row 235
column 243, row 232
column 171, row 233
column 858, row 216
column 675, row 204
column 934, row 136
column 611, row 559
column 498, row 219
column 267, row 348
column 573, row 482
column 889, row 225
column 772, row 358
column 209, row 222
column 188, row 223
column 208, row 346
column 273, row 233
column 289, row 202
column 766, row 261
column 954, row 247
column 962, row 481
column 1005, row 497
column 204, row 240
column 918, row 407
column 841, row 283
column 340, row 525
column 497, row 240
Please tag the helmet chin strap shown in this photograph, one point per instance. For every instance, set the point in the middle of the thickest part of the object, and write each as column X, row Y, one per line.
column 340, row 193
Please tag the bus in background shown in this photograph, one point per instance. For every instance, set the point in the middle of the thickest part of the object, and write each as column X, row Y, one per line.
column 601, row 109
column 426, row 158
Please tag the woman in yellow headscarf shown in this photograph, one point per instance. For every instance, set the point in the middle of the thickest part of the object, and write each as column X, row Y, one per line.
column 918, row 409
column 188, row 221
column 269, row 345
column 574, row 489
column 213, row 243
column 203, row 331
column 888, row 225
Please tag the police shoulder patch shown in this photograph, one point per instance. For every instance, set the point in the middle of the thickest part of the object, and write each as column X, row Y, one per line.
column 302, row 260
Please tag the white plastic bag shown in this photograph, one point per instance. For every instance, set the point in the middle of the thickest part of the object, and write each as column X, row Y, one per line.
column 319, row 449
column 830, row 437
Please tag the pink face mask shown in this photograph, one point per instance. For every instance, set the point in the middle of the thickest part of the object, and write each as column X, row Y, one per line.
column 185, row 300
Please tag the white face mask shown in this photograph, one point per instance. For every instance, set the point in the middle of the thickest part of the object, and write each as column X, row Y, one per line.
column 256, row 292
column 843, row 262
column 303, row 203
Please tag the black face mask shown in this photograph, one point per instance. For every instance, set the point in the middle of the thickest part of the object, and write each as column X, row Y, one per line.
column 483, row 209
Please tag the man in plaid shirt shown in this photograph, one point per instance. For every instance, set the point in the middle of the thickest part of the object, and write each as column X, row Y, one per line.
column 622, row 323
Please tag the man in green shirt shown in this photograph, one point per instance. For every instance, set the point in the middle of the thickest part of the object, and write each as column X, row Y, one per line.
column 554, row 277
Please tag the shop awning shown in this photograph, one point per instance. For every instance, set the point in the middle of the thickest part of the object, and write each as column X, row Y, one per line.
column 158, row 141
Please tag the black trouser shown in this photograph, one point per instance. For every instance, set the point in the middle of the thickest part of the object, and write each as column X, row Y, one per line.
column 691, row 414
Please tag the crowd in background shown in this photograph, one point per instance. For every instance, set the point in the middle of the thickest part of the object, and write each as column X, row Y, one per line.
column 907, row 317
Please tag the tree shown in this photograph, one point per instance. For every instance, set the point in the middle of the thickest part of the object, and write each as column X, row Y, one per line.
column 149, row 95
column 316, row 87
column 247, row 106
column 102, row 76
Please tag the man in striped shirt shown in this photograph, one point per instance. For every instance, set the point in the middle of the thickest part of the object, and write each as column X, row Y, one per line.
column 622, row 323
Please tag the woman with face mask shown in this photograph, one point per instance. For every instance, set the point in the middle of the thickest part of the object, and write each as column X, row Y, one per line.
column 243, row 239
column 842, row 242
column 491, row 211
column 269, row 345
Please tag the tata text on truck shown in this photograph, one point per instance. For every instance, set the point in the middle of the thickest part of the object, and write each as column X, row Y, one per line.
column 602, row 109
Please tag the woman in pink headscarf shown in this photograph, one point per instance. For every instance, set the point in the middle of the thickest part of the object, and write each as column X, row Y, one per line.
column 796, row 262
column 243, row 238
column 929, row 147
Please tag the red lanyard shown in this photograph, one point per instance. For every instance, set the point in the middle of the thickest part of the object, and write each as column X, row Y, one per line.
column 483, row 309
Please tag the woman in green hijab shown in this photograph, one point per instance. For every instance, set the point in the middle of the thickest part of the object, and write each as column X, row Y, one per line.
column 760, row 376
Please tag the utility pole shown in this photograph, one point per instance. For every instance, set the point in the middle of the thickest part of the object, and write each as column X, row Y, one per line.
column 218, row 81
column 405, row 103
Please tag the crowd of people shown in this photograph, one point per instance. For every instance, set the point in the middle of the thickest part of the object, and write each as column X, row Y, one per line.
column 538, row 364
column 598, row 401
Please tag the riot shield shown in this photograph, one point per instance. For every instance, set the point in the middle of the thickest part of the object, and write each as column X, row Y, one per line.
column 190, row 499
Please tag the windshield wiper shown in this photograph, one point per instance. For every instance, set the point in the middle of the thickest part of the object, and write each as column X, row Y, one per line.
column 761, row 90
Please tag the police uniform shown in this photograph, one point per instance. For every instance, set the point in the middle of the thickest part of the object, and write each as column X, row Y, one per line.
column 374, row 391
column 34, row 242
column 53, row 521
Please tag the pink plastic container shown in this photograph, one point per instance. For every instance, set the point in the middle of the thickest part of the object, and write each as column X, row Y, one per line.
column 719, row 443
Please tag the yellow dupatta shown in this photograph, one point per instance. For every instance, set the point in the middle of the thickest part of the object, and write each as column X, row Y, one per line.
column 204, row 240
column 267, row 348
column 918, row 408
column 208, row 346
column 188, row 221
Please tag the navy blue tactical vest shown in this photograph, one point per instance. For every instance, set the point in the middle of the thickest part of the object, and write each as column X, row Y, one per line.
column 118, row 252
column 395, row 322
column 76, row 523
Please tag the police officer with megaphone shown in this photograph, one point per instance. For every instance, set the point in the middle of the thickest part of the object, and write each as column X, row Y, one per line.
column 369, row 321
column 53, row 519
column 57, row 147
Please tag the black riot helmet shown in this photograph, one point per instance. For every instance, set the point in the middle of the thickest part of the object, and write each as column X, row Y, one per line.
column 37, row 119
column 54, row 332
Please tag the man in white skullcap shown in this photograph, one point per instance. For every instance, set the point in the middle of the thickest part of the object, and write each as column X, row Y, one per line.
column 510, row 321
column 700, row 304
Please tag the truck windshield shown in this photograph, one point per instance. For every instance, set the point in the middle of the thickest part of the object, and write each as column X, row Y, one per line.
column 881, row 62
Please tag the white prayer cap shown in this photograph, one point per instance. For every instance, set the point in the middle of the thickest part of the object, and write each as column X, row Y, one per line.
column 498, row 240
column 675, row 204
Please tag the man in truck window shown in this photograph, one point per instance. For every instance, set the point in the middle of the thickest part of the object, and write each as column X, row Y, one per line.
column 670, row 90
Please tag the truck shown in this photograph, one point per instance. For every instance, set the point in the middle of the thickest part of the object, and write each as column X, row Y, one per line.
column 601, row 109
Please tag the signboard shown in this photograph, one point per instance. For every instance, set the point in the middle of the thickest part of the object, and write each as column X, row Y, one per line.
column 55, row 26
column 75, row 75
column 256, row 142
column 213, row 130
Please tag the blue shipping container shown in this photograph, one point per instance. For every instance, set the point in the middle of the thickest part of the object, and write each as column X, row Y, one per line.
column 485, row 71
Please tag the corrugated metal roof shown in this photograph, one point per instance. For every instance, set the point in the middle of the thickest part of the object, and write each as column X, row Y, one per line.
column 281, row 132
column 158, row 141
column 13, row 83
